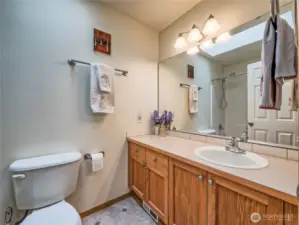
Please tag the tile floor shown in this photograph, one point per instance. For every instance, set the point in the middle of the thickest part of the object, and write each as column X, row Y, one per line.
column 126, row 212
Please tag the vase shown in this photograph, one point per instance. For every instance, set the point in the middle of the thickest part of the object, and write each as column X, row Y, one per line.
column 163, row 132
column 156, row 129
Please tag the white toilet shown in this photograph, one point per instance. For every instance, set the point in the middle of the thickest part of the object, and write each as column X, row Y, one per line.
column 42, row 183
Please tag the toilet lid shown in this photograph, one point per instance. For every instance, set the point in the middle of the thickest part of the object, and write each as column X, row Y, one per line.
column 60, row 213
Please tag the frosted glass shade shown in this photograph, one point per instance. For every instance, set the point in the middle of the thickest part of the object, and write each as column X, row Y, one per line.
column 194, row 35
column 180, row 42
column 223, row 38
column 211, row 26
column 193, row 50
column 207, row 44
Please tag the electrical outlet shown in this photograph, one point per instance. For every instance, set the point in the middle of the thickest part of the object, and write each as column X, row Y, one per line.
column 139, row 118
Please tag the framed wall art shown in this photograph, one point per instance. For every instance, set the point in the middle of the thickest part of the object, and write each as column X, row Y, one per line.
column 102, row 42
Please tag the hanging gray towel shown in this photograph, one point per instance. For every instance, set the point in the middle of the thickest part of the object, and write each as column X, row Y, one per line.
column 268, row 87
column 285, row 52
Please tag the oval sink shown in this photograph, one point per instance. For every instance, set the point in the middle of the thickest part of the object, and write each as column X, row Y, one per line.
column 218, row 155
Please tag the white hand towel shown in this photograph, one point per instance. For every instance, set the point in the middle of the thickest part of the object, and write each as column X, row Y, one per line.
column 105, row 76
column 194, row 92
column 100, row 102
column 193, row 99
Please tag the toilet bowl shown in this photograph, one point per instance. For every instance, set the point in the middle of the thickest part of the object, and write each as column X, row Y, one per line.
column 60, row 213
column 42, row 183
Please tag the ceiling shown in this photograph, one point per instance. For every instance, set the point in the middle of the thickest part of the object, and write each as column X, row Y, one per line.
column 157, row 14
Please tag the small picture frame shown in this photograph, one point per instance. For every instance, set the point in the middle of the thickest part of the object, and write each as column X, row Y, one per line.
column 190, row 71
column 102, row 42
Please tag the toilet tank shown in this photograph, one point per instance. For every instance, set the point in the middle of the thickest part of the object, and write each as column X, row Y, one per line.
column 44, row 180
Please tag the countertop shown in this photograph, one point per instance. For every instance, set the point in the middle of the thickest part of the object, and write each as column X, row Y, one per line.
column 280, row 174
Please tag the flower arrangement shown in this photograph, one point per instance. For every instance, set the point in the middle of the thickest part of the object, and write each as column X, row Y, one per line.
column 165, row 120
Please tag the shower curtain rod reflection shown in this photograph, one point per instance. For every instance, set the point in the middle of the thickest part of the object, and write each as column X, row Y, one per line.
column 229, row 76
column 73, row 62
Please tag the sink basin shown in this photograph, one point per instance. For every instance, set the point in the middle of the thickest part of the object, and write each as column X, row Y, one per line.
column 218, row 155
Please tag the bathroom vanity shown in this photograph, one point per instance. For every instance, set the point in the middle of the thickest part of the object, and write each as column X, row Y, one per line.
column 185, row 190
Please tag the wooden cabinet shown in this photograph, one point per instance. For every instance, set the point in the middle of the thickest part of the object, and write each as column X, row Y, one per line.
column 187, row 194
column 137, row 170
column 232, row 204
column 149, row 179
column 181, row 194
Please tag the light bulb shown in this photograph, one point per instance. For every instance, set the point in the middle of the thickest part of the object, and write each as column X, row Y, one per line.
column 193, row 50
column 211, row 26
column 206, row 44
column 180, row 42
column 222, row 38
column 194, row 35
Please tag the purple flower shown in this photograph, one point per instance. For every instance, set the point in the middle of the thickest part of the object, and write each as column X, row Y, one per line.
column 163, row 118
column 156, row 118
column 169, row 119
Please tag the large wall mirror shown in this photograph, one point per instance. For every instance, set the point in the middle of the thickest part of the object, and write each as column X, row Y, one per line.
column 228, row 75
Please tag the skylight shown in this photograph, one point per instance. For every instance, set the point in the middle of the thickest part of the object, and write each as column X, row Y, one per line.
column 249, row 36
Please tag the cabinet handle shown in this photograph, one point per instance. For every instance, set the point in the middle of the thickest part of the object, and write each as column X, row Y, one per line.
column 155, row 159
column 210, row 182
column 143, row 164
column 200, row 177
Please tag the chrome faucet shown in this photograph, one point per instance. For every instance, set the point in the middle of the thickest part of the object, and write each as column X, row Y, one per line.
column 233, row 146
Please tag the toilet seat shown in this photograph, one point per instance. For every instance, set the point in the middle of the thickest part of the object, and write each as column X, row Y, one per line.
column 60, row 213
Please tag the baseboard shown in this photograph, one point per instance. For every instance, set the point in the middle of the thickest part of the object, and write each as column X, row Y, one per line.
column 105, row 205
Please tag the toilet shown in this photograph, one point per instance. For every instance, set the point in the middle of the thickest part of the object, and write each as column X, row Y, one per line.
column 42, row 183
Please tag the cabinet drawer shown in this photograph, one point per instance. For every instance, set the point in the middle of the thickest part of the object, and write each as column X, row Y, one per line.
column 137, row 153
column 157, row 161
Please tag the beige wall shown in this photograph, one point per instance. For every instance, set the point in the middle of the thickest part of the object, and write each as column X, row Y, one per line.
column 229, row 13
column 45, row 101
column 172, row 97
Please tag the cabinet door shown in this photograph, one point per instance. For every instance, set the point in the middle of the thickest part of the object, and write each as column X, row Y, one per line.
column 187, row 194
column 291, row 214
column 137, row 170
column 234, row 204
column 157, row 183
column 157, row 193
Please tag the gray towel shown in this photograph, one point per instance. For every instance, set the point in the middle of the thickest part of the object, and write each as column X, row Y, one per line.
column 285, row 52
column 268, row 87
column 278, row 61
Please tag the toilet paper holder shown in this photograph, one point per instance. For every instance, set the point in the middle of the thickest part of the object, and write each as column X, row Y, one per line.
column 88, row 156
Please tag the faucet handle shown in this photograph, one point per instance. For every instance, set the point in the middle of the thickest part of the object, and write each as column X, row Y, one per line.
column 232, row 142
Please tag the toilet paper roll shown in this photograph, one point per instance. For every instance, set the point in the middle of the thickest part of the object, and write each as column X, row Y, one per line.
column 97, row 161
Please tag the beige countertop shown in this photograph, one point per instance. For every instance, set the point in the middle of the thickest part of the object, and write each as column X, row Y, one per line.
column 280, row 174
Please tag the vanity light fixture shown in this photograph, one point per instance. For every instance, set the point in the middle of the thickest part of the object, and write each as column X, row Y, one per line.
column 195, row 35
column 193, row 50
column 180, row 42
column 222, row 38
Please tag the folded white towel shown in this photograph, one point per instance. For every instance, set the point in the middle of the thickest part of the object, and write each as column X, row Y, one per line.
column 100, row 102
column 193, row 99
column 105, row 76
column 194, row 92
